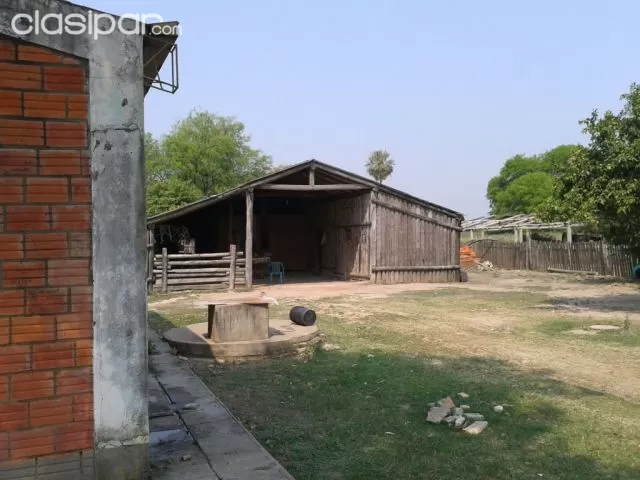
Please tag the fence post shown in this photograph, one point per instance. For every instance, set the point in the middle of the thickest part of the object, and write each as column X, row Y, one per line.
column 150, row 257
column 528, row 249
column 165, row 271
column 605, row 257
column 232, row 267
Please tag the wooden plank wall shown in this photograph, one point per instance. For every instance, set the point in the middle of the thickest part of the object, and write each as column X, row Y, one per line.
column 346, row 224
column 598, row 257
column 288, row 240
column 413, row 243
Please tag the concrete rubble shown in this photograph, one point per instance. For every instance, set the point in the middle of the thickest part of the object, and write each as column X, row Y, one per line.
column 446, row 403
column 476, row 428
column 459, row 423
column 446, row 412
column 437, row 414
column 474, row 417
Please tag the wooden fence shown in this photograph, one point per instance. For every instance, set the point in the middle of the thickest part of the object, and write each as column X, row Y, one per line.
column 198, row 271
column 589, row 257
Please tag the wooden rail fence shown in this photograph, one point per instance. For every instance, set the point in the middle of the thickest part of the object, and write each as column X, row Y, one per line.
column 197, row 271
column 588, row 257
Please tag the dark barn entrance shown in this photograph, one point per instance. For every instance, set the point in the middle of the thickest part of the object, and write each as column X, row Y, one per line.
column 311, row 233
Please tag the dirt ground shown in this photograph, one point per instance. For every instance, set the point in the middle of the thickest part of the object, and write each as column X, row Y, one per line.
column 574, row 294
column 463, row 323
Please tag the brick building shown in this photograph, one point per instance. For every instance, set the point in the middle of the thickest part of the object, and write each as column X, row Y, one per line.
column 72, row 287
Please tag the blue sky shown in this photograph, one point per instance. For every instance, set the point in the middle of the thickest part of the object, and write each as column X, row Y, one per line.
column 450, row 88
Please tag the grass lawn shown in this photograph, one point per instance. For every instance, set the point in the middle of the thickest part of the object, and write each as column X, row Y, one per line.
column 359, row 412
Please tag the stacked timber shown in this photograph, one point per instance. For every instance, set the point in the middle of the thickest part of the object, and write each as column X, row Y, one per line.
column 468, row 257
column 194, row 271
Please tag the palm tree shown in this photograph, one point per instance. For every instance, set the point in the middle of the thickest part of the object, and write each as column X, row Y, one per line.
column 380, row 165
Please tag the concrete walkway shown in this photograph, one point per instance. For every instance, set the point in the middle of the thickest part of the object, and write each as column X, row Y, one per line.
column 193, row 435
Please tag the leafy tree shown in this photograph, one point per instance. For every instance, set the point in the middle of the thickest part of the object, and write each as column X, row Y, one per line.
column 600, row 185
column 213, row 153
column 555, row 160
column 203, row 155
column 380, row 165
column 525, row 183
column 156, row 166
column 525, row 193
column 170, row 194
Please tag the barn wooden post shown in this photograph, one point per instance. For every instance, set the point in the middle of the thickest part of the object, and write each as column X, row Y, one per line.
column 516, row 235
column 165, row 271
column 569, row 234
column 312, row 175
column 232, row 267
column 373, row 235
column 231, row 240
column 248, row 248
column 150, row 257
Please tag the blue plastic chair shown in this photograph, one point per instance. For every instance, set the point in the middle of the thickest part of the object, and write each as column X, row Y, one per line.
column 276, row 269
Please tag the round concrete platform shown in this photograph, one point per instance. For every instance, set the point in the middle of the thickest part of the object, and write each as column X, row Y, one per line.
column 285, row 338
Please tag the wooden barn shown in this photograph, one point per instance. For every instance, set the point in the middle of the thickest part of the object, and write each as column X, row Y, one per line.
column 319, row 220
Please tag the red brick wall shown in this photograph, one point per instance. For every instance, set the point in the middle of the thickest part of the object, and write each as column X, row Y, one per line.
column 46, row 404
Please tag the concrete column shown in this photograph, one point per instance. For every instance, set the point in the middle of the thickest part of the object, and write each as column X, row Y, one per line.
column 120, row 302
column 116, row 122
